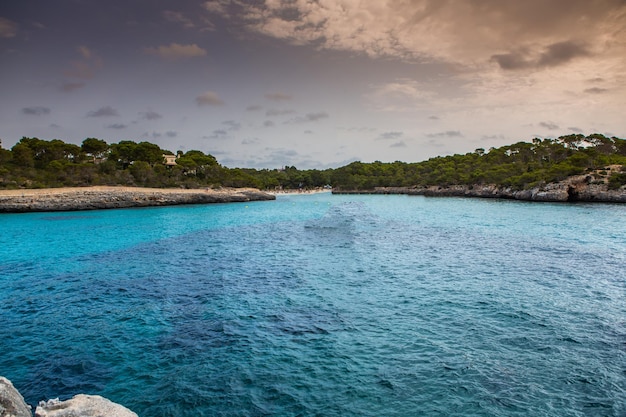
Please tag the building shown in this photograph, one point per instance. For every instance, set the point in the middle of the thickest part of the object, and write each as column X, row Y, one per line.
column 170, row 160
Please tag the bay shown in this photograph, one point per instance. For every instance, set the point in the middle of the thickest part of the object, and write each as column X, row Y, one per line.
column 321, row 305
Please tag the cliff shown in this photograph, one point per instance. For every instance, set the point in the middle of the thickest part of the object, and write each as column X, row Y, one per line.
column 574, row 189
column 93, row 198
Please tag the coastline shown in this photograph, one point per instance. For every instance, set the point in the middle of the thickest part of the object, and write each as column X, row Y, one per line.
column 108, row 197
column 575, row 189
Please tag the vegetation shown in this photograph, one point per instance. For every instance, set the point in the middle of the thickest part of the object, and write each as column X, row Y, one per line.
column 37, row 163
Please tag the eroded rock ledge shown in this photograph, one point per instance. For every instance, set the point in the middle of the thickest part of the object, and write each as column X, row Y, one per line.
column 100, row 197
column 572, row 190
column 12, row 404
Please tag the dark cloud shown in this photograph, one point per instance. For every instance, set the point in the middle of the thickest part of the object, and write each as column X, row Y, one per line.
column 309, row 117
column 308, row 132
column 275, row 112
column 433, row 117
column 106, row 111
column 596, row 90
column 250, row 141
column 390, row 135
column 69, row 87
column 254, row 108
column 150, row 115
column 561, row 52
column 446, row 134
column 217, row 134
column 549, row 125
column 278, row 97
column 268, row 123
column 232, row 125
column 553, row 55
column 400, row 144
column 511, row 61
column 117, row 126
column 36, row 110
column 171, row 134
column 575, row 129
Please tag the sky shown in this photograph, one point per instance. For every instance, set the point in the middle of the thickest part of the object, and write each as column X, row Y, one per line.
column 312, row 83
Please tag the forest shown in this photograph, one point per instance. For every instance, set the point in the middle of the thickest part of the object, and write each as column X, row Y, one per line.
column 37, row 163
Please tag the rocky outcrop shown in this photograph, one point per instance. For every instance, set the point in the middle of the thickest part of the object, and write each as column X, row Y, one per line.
column 92, row 198
column 573, row 189
column 12, row 404
column 11, row 401
column 83, row 406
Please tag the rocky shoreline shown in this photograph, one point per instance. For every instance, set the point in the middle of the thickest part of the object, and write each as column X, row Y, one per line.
column 574, row 189
column 100, row 197
column 12, row 404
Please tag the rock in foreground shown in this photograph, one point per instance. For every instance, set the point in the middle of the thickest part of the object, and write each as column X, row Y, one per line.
column 11, row 401
column 82, row 406
column 94, row 198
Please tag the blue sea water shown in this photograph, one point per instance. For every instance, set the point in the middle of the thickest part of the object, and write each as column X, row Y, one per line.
column 321, row 305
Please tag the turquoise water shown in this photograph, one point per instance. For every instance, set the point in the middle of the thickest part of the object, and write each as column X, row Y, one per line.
column 321, row 305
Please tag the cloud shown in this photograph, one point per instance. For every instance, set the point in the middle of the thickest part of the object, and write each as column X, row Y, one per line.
column 433, row 117
column 275, row 112
column 468, row 32
column 209, row 98
column 117, row 126
column 562, row 52
column 552, row 55
column 176, row 51
column 179, row 18
column 278, row 97
column 254, row 108
column 308, row 132
column 390, row 135
column 150, row 115
column 232, row 125
column 217, row 134
column 309, row 117
column 446, row 134
column 85, row 67
column 250, row 141
column 69, row 87
column 268, row 123
column 171, row 134
column 8, row 28
column 549, row 125
column 106, row 111
column 596, row 90
column 575, row 129
column 36, row 110
column 400, row 144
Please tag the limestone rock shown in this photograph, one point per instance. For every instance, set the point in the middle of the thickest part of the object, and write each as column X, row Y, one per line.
column 82, row 405
column 11, row 401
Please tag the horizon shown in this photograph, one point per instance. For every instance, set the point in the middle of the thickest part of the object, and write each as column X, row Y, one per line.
column 314, row 84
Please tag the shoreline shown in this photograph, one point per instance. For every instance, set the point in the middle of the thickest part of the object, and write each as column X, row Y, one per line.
column 109, row 197
column 572, row 191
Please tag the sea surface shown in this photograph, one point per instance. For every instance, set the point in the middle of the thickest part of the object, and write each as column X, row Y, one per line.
column 321, row 305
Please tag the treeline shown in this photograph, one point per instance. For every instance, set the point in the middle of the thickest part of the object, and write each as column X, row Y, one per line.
column 520, row 166
column 36, row 163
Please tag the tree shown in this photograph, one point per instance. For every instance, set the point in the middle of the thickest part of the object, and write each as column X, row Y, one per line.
column 95, row 147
